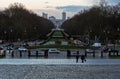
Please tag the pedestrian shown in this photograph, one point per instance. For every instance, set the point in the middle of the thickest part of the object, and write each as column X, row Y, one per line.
column 83, row 58
column 77, row 56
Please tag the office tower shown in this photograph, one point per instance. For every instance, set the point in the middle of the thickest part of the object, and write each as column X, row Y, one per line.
column 63, row 16
column 53, row 19
column 44, row 15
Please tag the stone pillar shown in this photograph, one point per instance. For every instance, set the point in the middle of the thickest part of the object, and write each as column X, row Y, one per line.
column 94, row 54
column 117, row 53
column 4, row 53
column 85, row 53
column 29, row 53
column 68, row 53
column 36, row 53
column 109, row 53
column 101, row 54
column 46, row 53
column 12, row 54
column 20, row 54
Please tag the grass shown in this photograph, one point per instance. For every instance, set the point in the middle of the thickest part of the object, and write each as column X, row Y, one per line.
column 114, row 57
column 118, row 49
column 60, row 47
column 1, row 57
column 57, row 33
column 53, row 39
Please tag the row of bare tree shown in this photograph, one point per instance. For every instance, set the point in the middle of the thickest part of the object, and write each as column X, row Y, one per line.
column 101, row 21
column 16, row 22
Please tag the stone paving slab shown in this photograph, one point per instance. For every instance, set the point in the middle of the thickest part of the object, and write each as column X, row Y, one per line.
column 59, row 71
column 60, row 61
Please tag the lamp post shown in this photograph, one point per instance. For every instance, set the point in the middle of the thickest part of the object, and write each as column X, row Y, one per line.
column 25, row 31
column 118, row 31
column 11, row 35
column 89, row 31
column 115, row 41
column 5, row 35
column 106, row 37
column 35, row 34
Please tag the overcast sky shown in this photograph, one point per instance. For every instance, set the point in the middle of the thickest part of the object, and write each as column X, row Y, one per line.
column 55, row 7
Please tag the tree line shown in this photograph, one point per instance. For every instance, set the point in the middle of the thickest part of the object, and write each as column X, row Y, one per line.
column 16, row 22
column 101, row 21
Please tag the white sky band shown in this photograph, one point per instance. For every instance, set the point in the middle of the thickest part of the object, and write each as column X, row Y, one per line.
column 49, row 6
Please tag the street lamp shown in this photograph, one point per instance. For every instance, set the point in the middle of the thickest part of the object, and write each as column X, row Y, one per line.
column 118, row 29
column 5, row 35
column 35, row 34
column 89, row 31
column 25, row 31
column 106, row 36
column 11, row 35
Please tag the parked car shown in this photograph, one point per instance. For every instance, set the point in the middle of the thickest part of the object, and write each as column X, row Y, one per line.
column 10, row 45
column 97, row 45
column 25, row 44
column 22, row 49
column 8, row 49
column 1, row 50
column 53, row 50
column 89, row 50
column 1, row 47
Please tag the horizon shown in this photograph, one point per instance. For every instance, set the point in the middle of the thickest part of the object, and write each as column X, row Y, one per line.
column 55, row 8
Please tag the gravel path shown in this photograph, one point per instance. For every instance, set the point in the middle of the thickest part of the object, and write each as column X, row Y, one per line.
column 59, row 71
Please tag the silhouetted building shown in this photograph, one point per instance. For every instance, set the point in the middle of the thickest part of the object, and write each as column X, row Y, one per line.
column 53, row 19
column 58, row 22
column 63, row 16
column 44, row 15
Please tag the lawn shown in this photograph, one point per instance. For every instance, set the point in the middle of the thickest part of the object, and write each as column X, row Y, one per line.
column 60, row 47
column 55, row 39
column 1, row 56
column 114, row 57
column 118, row 49
column 58, row 33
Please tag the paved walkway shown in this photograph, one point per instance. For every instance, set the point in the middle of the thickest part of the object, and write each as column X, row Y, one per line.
column 59, row 62
column 59, row 71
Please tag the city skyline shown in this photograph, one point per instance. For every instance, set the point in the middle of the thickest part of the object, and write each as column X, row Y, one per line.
column 52, row 7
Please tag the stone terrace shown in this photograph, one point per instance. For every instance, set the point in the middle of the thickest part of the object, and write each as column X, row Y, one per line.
column 59, row 71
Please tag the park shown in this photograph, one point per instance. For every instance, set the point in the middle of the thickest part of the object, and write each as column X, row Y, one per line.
column 84, row 46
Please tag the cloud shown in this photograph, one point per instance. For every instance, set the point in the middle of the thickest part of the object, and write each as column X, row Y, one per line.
column 1, row 8
column 72, row 8
column 49, row 7
column 113, row 1
column 46, row 2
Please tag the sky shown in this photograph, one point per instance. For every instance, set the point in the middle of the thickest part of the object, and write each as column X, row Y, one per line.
column 55, row 7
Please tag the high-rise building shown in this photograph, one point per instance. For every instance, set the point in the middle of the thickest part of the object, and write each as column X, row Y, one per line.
column 53, row 19
column 58, row 22
column 68, row 17
column 44, row 15
column 63, row 16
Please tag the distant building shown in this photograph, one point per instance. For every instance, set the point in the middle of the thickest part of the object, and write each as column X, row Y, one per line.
column 44, row 15
column 58, row 22
column 53, row 19
column 63, row 16
column 68, row 17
